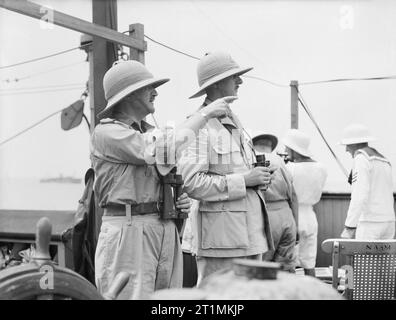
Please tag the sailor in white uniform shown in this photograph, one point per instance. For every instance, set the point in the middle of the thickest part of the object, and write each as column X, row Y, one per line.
column 371, row 214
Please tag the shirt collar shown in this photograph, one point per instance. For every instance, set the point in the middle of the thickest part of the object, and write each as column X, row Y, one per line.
column 129, row 121
column 126, row 119
column 143, row 126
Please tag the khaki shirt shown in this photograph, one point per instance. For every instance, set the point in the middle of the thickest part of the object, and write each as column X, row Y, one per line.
column 231, row 219
column 281, row 187
column 125, row 161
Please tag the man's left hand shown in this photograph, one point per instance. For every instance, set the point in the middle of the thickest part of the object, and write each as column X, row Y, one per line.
column 184, row 203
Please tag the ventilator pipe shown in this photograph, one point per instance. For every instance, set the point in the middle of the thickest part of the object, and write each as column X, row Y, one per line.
column 43, row 238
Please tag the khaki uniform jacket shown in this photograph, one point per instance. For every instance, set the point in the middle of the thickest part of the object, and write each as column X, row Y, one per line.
column 231, row 219
column 281, row 187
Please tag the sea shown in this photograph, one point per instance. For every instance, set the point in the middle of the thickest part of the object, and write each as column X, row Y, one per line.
column 31, row 194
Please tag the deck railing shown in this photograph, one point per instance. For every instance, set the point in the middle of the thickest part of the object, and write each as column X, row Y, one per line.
column 331, row 212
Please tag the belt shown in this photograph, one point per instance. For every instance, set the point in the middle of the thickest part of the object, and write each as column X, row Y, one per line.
column 118, row 209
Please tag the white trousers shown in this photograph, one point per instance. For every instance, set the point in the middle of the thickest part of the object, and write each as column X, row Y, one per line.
column 367, row 230
column 308, row 231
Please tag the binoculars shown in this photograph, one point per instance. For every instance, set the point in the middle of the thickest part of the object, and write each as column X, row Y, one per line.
column 172, row 190
column 262, row 162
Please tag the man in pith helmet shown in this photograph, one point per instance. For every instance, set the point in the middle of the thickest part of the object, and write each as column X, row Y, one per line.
column 282, row 204
column 218, row 170
column 128, row 159
column 371, row 214
column 309, row 177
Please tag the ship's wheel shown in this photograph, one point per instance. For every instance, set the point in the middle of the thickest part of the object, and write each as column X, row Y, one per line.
column 41, row 279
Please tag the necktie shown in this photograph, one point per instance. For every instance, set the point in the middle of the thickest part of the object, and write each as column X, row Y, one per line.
column 137, row 127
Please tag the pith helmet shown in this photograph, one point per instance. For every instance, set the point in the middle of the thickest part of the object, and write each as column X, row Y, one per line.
column 123, row 78
column 297, row 141
column 214, row 67
column 356, row 133
column 267, row 136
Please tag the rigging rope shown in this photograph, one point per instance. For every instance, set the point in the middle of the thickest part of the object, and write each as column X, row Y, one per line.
column 45, row 57
column 310, row 115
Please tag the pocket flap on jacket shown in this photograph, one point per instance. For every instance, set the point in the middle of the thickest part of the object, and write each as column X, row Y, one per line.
column 224, row 230
column 238, row 205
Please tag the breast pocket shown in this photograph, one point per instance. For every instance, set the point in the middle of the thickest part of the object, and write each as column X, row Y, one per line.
column 225, row 154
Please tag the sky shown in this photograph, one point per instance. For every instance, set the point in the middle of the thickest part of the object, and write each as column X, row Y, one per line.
column 283, row 40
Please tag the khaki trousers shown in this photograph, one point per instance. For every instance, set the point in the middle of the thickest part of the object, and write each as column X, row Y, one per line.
column 283, row 228
column 146, row 246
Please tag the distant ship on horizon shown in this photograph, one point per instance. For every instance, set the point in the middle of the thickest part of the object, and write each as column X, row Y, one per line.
column 61, row 179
